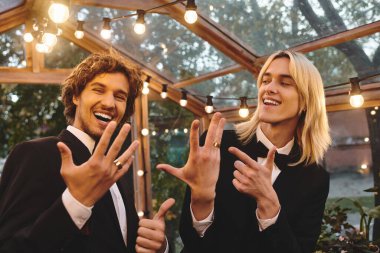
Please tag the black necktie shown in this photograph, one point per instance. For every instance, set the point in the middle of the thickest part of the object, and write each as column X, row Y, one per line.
column 280, row 160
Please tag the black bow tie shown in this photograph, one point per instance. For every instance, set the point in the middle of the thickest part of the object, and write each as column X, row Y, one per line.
column 280, row 160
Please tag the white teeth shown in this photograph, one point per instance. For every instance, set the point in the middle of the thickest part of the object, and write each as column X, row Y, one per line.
column 271, row 102
column 103, row 115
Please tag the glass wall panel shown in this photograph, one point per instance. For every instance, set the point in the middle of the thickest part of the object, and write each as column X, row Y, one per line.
column 169, row 126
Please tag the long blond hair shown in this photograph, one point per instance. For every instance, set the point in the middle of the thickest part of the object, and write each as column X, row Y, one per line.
column 312, row 133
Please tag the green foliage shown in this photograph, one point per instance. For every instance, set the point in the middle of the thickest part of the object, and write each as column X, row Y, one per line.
column 170, row 147
column 339, row 236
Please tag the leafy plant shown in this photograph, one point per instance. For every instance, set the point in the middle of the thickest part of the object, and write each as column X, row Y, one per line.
column 340, row 236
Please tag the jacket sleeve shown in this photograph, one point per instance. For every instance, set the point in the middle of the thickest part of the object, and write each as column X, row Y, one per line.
column 300, row 235
column 32, row 215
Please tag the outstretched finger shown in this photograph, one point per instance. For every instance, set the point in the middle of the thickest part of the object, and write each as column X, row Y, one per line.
column 270, row 158
column 66, row 155
column 210, row 138
column 164, row 208
column 194, row 136
column 128, row 153
column 105, row 139
column 118, row 142
column 219, row 131
column 243, row 157
column 171, row 170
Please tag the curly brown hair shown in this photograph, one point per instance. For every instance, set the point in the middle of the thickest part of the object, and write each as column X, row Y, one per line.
column 93, row 65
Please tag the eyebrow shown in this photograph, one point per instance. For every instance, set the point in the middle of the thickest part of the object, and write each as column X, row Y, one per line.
column 283, row 76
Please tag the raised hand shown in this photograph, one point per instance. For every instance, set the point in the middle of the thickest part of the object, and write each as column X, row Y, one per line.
column 201, row 171
column 151, row 233
column 254, row 180
column 89, row 181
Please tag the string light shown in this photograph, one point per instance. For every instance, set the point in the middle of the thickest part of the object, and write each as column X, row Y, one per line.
column 356, row 99
column 191, row 15
column 140, row 213
column 243, row 111
column 139, row 26
column 183, row 101
column 49, row 38
column 145, row 89
column 140, row 173
column 28, row 37
column 209, row 108
column 154, row 133
column 145, row 131
column 164, row 92
column 79, row 33
column 59, row 11
column 106, row 31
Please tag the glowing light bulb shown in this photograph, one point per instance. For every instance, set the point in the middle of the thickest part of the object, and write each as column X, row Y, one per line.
column 164, row 95
column 191, row 16
column 49, row 39
column 140, row 214
column 106, row 34
column 243, row 112
column 58, row 12
column 209, row 108
column 28, row 37
column 356, row 100
column 183, row 102
column 139, row 28
column 140, row 173
column 79, row 34
column 145, row 89
column 144, row 131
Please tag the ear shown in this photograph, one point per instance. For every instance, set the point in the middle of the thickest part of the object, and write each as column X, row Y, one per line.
column 75, row 100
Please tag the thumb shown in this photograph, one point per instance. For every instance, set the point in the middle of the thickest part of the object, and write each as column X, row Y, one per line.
column 66, row 156
column 270, row 158
column 164, row 208
column 171, row 170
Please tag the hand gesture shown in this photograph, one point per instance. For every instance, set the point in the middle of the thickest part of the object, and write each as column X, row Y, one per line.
column 201, row 171
column 89, row 181
column 151, row 233
column 255, row 180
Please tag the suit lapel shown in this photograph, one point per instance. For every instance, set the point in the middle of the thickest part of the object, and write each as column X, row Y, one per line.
column 79, row 151
column 127, row 192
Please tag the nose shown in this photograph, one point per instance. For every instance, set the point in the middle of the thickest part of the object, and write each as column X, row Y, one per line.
column 108, row 100
column 271, row 88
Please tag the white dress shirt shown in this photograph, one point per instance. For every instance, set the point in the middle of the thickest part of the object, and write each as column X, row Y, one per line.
column 202, row 226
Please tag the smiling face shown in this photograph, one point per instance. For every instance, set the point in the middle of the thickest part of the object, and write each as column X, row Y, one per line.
column 278, row 95
column 103, row 99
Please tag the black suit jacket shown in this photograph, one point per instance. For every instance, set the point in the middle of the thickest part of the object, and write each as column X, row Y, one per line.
column 32, row 215
column 302, row 191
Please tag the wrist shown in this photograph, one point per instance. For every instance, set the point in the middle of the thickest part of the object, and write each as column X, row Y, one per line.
column 268, row 206
column 202, row 196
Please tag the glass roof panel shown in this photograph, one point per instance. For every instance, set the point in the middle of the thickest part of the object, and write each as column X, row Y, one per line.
column 360, row 57
column 227, row 89
column 6, row 5
column 68, row 55
column 166, row 46
column 267, row 26
column 12, row 48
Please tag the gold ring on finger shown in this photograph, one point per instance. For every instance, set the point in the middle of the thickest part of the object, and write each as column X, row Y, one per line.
column 118, row 164
column 216, row 144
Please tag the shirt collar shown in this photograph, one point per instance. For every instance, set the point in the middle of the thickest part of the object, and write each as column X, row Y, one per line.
column 83, row 137
column 285, row 150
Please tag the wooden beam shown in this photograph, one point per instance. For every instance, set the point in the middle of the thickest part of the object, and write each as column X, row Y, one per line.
column 211, row 75
column 14, row 17
column 131, row 5
column 332, row 40
column 27, row 76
